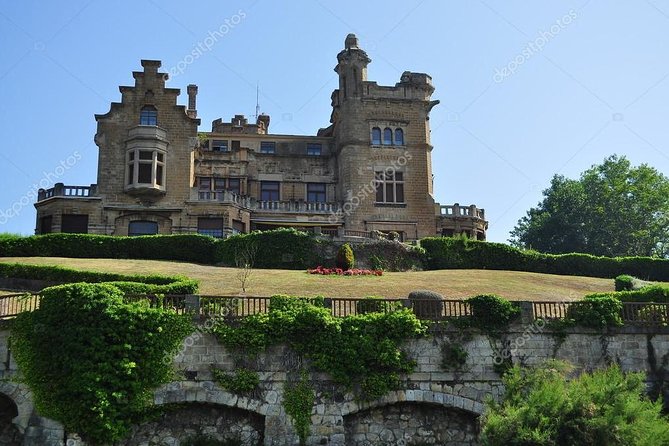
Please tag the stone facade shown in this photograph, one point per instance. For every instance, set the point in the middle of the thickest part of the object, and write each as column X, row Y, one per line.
column 369, row 170
column 436, row 404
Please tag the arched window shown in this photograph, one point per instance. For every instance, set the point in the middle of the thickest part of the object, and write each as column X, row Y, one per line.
column 148, row 115
column 387, row 137
column 399, row 137
column 376, row 136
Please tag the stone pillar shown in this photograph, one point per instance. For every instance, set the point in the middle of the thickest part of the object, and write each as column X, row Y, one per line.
column 193, row 304
column 526, row 312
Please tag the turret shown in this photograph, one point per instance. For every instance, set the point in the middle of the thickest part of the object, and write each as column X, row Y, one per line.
column 352, row 68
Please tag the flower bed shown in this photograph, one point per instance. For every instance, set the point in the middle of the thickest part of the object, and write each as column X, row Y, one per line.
column 345, row 272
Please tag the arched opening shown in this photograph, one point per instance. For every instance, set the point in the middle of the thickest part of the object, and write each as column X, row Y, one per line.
column 148, row 115
column 399, row 137
column 411, row 423
column 376, row 136
column 387, row 137
column 191, row 421
column 9, row 432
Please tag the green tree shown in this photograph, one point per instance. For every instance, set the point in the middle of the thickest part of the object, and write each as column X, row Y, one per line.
column 613, row 209
column 542, row 408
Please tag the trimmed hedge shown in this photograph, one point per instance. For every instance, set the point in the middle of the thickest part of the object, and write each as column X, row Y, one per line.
column 651, row 293
column 461, row 253
column 131, row 284
column 180, row 247
column 280, row 249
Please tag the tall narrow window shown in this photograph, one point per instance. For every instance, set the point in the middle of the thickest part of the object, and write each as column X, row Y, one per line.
column 399, row 137
column 234, row 186
column 389, row 187
column 376, row 136
column 269, row 190
column 316, row 192
column 204, row 183
column 387, row 137
column 148, row 115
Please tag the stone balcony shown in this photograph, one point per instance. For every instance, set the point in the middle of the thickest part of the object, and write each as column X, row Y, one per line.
column 455, row 219
column 60, row 190
column 455, row 210
column 285, row 206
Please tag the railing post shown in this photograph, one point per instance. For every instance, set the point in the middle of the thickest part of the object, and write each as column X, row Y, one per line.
column 58, row 190
column 192, row 302
column 526, row 312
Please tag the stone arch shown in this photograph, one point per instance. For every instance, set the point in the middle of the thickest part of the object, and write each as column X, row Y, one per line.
column 203, row 405
column 417, row 396
column 207, row 393
column 21, row 397
column 406, row 416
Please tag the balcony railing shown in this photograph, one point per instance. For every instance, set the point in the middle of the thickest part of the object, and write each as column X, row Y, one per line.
column 224, row 196
column 296, row 206
column 60, row 190
column 455, row 210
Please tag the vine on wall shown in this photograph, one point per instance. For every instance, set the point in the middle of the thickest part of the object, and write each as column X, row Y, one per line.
column 92, row 360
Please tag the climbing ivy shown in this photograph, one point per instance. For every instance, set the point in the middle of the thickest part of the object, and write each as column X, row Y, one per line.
column 92, row 360
column 298, row 400
column 243, row 381
column 361, row 352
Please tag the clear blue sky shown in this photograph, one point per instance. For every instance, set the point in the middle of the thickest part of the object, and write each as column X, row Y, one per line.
column 583, row 80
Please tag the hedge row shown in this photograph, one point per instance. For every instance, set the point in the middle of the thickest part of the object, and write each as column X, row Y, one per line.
column 650, row 293
column 181, row 247
column 281, row 248
column 461, row 253
column 132, row 284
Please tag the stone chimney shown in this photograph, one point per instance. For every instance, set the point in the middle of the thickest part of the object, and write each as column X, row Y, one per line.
column 192, row 101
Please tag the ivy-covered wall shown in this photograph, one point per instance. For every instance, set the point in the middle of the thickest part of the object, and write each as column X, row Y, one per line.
column 458, row 383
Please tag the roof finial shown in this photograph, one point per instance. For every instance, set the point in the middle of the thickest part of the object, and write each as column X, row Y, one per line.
column 351, row 41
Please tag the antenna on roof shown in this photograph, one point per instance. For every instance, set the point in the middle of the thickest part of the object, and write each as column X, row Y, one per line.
column 257, row 100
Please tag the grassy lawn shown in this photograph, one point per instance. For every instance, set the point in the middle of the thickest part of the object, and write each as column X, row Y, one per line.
column 454, row 284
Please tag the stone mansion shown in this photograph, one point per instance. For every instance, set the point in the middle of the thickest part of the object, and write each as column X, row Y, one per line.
column 369, row 170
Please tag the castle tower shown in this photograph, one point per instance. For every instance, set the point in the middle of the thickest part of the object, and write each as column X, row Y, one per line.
column 383, row 148
column 145, row 168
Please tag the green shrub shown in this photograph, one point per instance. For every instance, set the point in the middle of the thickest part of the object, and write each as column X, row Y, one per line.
column 345, row 257
column 130, row 284
column 542, row 407
column 461, row 253
column 596, row 311
column 491, row 313
column 376, row 304
column 388, row 255
column 453, row 356
column 651, row 293
column 281, row 249
column 178, row 247
column 370, row 343
column 624, row 282
column 426, row 304
column 92, row 361
column 243, row 381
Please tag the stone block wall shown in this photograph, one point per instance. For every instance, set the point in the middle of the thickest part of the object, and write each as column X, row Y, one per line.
column 438, row 403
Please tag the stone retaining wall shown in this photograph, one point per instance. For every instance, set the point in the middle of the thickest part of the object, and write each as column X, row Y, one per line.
column 446, row 400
